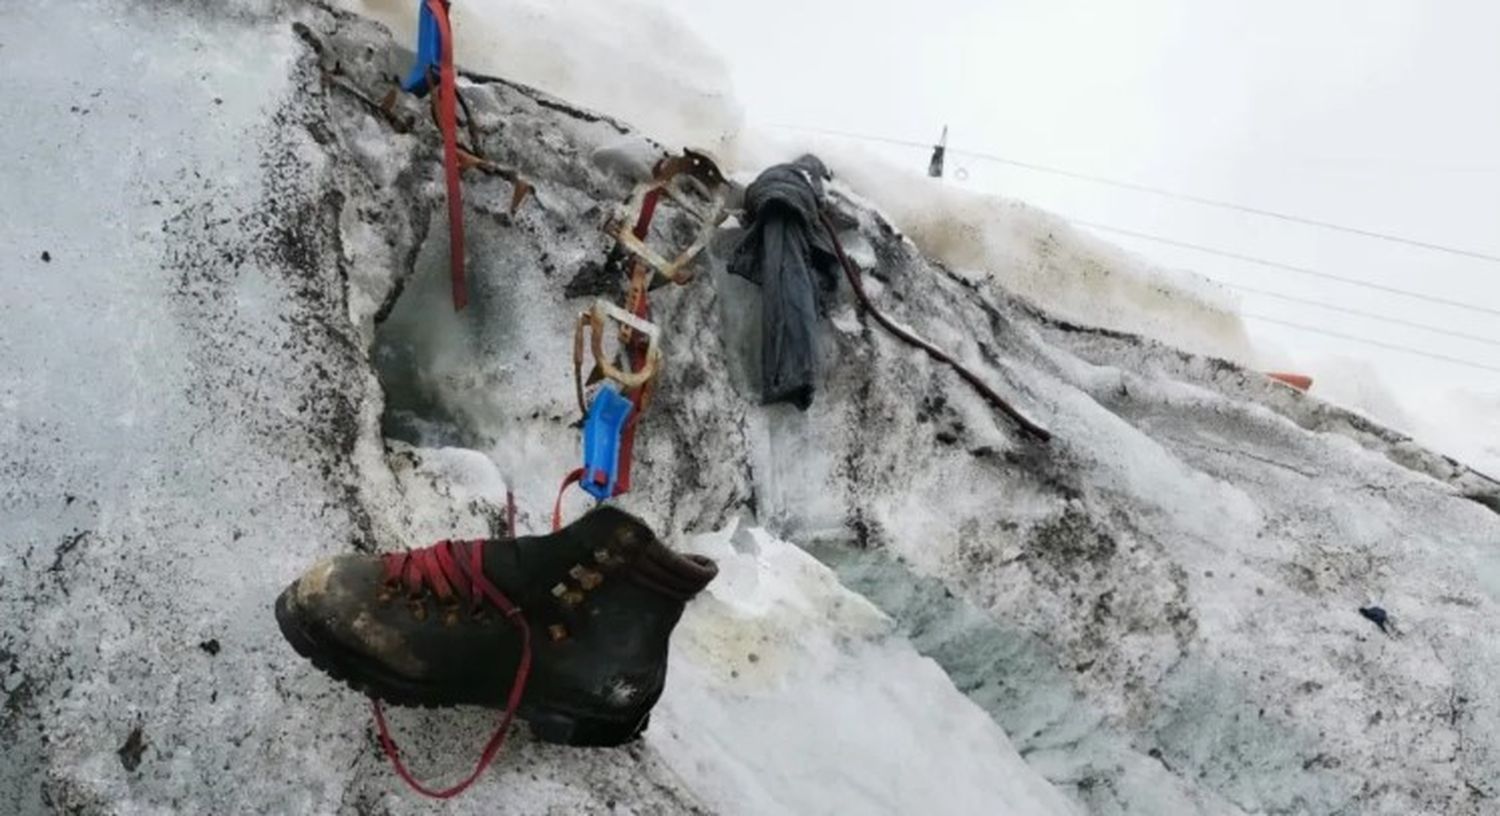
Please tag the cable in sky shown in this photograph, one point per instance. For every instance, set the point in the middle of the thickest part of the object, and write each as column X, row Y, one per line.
column 1457, row 304
column 1229, row 205
column 1360, row 313
column 1165, row 193
column 1367, row 341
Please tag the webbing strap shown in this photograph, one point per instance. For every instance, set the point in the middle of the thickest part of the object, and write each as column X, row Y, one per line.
column 447, row 102
column 571, row 479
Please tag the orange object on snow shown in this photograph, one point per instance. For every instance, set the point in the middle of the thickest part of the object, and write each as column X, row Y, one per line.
column 1301, row 382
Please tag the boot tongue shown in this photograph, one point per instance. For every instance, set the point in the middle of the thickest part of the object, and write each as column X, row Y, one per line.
column 671, row 573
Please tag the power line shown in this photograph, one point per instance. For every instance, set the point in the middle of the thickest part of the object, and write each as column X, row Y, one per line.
column 1165, row 193
column 1263, row 261
column 1371, row 315
column 1367, row 341
column 1288, row 267
column 1229, row 205
column 1199, row 247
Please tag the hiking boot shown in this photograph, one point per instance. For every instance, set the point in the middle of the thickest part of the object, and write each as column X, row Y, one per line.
column 450, row 624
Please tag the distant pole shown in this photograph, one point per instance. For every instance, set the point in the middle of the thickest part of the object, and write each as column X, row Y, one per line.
column 935, row 167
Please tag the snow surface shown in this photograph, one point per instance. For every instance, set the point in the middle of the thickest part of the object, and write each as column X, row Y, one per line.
column 791, row 694
column 1156, row 612
column 682, row 94
column 625, row 57
column 189, row 419
column 1463, row 423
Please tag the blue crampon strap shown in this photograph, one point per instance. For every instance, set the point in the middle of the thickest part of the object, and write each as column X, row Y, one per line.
column 601, row 442
column 429, row 51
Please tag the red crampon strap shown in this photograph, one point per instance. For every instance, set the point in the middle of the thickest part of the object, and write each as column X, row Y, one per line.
column 642, row 309
column 447, row 101
column 571, row 479
column 648, row 211
column 637, row 398
column 447, row 575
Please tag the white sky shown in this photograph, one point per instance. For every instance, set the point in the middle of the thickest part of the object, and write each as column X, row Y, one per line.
column 1379, row 114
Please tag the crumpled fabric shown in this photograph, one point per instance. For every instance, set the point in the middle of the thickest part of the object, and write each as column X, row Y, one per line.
column 786, row 252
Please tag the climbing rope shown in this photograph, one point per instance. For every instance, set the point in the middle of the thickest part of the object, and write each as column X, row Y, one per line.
column 856, row 283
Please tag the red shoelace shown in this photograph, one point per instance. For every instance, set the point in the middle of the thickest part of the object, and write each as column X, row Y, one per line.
column 454, row 570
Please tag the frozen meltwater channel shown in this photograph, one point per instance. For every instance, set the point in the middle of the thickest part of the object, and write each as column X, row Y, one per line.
column 788, row 693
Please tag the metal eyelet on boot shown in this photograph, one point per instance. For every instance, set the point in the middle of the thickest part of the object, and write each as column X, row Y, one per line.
column 586, row 578
column 566, row 596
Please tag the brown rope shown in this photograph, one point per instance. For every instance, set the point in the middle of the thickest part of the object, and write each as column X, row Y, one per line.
column 853, row 274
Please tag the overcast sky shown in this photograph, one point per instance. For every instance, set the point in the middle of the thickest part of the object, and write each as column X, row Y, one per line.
column 1379, row 114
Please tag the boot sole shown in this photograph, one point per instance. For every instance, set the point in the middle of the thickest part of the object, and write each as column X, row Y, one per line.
column 366, row 677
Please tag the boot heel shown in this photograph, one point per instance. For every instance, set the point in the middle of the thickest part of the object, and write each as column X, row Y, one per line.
column 565, row 729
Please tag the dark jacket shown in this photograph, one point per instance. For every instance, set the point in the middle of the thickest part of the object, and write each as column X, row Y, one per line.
column 788, row 254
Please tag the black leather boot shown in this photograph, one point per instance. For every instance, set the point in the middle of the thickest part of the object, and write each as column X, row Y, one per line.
column 449, row 624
